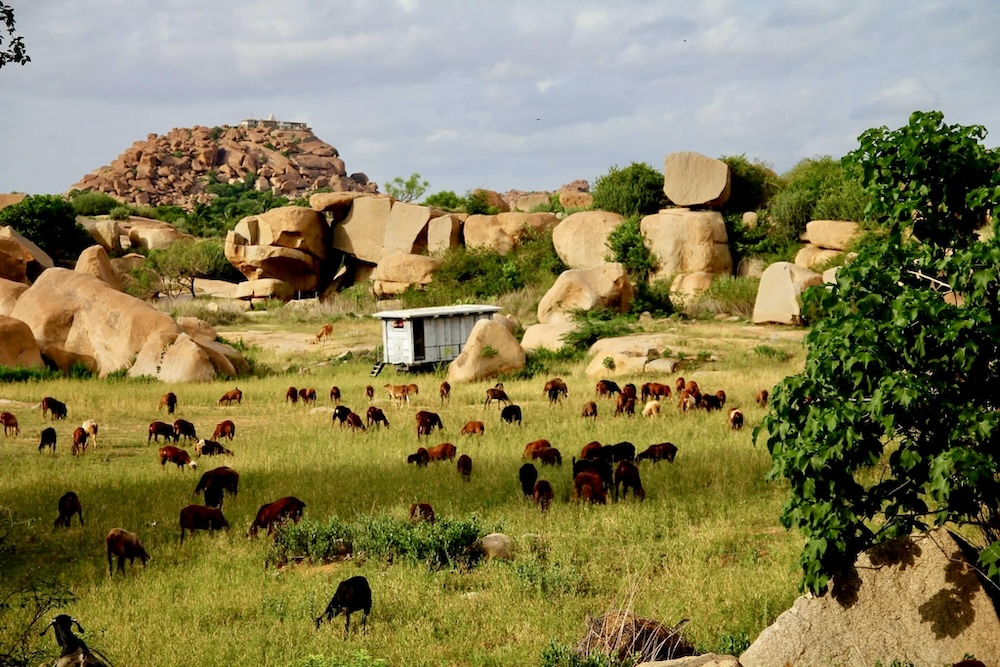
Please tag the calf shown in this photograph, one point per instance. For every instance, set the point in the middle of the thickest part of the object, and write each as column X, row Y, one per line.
column 170, row 400
column 445, row 392
column 79, row 441
column 292, row 395
column 412, row 390
column 183, row 427
column 420, row 458
column 376, row 416
column 589, row 487
column 9, row 422
column 511, row 414
column 280, row 510
column 124, row 544
column 335, row 395
column 627, row 476
column 427, row 422
column 543, row 494
column 422, row 512
column 198, row 517
column 465, row 466
column 230, row 396
column 590, row 410
column 156, row 429
column 340, row 414
column 651, row 409
column 57, row 408
column 498, row 395
column 397, row 393
column 443, row 452
column 175, row 455
column 665, row 451
column 354, row 422
column 527, row 475
column 550, row 457
column 735, row 419
column 48, row 439
column 210, row 448
column 532, row 448
column 606, row 388
column 474, row 428
column 225, row 429
column 352, row 595
column 69, row 504
column 762, row 397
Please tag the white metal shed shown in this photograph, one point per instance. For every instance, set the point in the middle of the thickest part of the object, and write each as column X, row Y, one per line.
column 419, row 336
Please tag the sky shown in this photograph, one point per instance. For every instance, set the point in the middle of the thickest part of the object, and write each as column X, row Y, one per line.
column 498, row 94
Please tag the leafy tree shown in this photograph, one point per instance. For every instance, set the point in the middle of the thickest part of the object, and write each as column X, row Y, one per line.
column 815, row 189
column 635, row 190
column 179, row 264
column 893, row 425
column 411, row 189
column 627, row 245
column 752, row 184
column 14, row 51
column 446, row 200
column 49, row 222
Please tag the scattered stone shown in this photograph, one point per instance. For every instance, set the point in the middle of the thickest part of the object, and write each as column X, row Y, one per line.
column 605, row 286
column 581, row 240
column 779, row 297
column 489, row 351
column 750, row 219
column 497, row 545
column 693, row 179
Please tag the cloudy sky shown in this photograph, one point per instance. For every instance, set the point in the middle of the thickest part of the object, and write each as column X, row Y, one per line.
column 497, row 94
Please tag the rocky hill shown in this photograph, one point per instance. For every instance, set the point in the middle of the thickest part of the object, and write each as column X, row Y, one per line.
column 175, row 168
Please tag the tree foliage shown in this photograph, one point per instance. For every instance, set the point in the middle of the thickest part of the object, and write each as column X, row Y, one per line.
column 893, row 425
column 14, row 51
column 411, row 189
column 177, row 265
column 814, row 189
column 627, row 245
column 635, row 190
column 49, row 222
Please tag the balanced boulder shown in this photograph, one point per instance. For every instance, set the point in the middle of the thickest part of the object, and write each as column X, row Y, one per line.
column 779, row 296
column 287, row 243
column 503, row 232
column 407, row 228
column 604, row 286
column 489, row 351
column 444, row 233
column 687, row 241
column 581, row 240
column 693, row 179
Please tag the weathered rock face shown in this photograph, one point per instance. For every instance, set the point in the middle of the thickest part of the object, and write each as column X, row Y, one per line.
column 406, row 228
column 9, row 292
column 362, row 233
column 443, row 233
column 154, row 234
column 17, row 345
column 779, row 297
column 605, row 286
column 264, row 288
column 548, row 336
column 337, row 204
column 693, row 179
column 630, row 355
column 395, row 273
column 489, row 351
column 917, row 600
column 288, row 244
column 503, row 232
column 812, row 255
column 688, row 285
column 494, row 199
column 573, row 199
column 830, row 234
column 20, row 259
column 11, row 199
column 688, row 242
column 105, row 233
column 94, row 260
column 527, row 202
column 581, row 239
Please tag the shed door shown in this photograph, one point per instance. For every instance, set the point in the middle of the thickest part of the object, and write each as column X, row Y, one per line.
column 418, row 340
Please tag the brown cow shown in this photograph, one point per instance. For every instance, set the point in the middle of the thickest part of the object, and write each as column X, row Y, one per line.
column 606, row 388
column 175, row 455
column 376, row 416
column 721, row 395
column 57, row 408
column 692, row 388
column 397, row 393
column 69, row 504
column 307, row 395
column 627, row 476
column 412, row 390
column 549, row 456
column 9, row 422
column 710, row 402
column 555, row 388
column 183, row 427
column 588, row 486
column 124, row 544
column 654, row 390
column 232, row 395
column 426, row 421
column 762, row 397
column 292, row 395
column 156, row 429
column 335, row 395
column 465, row 466
column 626, row 405
column 533, row 447
column 225, row 429
column 422, row 512
column 474, row 428
column 543, row 494
column 79, row 441
column 590, row 410
column 443, row 452
column 199, row 517
column 590, row 450
column 169, row 399
column 498, row 395
column 629, row 390
column 445, row 391
column 679, row 384
column 664, row 451
column 280, row 510
column 369, row 392
column 354, row 422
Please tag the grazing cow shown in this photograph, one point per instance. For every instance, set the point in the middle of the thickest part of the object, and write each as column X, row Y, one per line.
column 443, row 452
column 69, row 504
column 426, row 422
column 48, row 439
column 175, row 455
column 308, row 395
column 629, row 390
column 420, row 458
column 183, row 427
column 591, row 450
column 533, row 447
column 549, row 457
column 215, row 481
column 124, row 544
column 498, row 395
column 445, row 392
column 79, row 441
column 340, row 414
column 376, row 416
column 474, row 428
column 397, row 393
column 169, row 399
column 335, row 395
column 606, row 388
column 735, row 419
column 590, row 410
column 511, row 414
column 709, row 402
column 543, row 494
column 325, row 332
column 554, row 389
column 57, row 408
column 652, row 390
column 230, row 396
column 199, row 517
column 9, row 422
column 210, row 448
column 687, row 402
column 369, row 392
column 601, row 468
column 691, row 387
column 292, row 395
column 224, row 429
column 465, row 466
column 665, row 451
column 625, row 405
column 422, row 512
column 622, row 451
column 589, row 487
column 627, row 476
column 527, row 475
column 280, row 510
column 91, row 427
column 354, row 422
column 352, row 595
column 762, row 397
column 651, row 409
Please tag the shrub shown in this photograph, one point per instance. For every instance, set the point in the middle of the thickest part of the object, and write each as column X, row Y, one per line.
column 89, row 203
column 652, row 297
column 725, row 296
column 635, row 190
column 476, row 203
column 446, row 199
column 592, row 325
column 359, row 658
column 627, row 245
column 22, row 374
column 49, row 222
column 120, row 213
column 752, row 184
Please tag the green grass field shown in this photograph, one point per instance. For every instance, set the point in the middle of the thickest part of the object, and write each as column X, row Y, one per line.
column 705, row 545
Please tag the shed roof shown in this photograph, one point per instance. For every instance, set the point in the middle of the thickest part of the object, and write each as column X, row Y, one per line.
column 436, row 311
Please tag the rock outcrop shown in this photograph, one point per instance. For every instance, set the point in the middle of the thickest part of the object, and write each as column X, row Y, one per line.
column 20, row 259
column 687, row 241
column 605, row 286
column 581, row 239
column 686, row 286
column 362, row 233
column 94, row 260
column 9, row 293
column 549, row 336
column 779, row 296
column 693, row 179
column 397, row 272
column 830, row 234
column 17, row 345
column 489, row 351
column 154, row 234
column 502, row 233
column 287, row 244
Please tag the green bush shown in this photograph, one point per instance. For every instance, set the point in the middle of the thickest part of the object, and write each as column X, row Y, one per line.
column 752, row 184
column 358, row 659
column 21, row 374
column 652, row 297
column 476, row 203
column 725, row 296
column 592, row 325
column 446, row 200
column 636, row 190
column 49, row 222
column 560, row 655
column 120, row 213
column 627, row 245
column 89, row 203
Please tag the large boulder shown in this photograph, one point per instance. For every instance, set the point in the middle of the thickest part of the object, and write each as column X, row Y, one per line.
column 498, row 546
column 493, row 199
column 830, row 234
column 294, row 267
column 687, row 241
column 264, row 288
column 362, row 233
column 20, row 259
column 337, row 204
column 489, row 351
column 917, row 600
column 687, row 286
column 810, row 256
column 604, row 286
column 503, row 232
column 397, row 272
column 693, row 179
column 570, row 199
column 443, row 233
column 105, row 232
column 17, row 345
column 581, row 240
column 9, row 293
column 779, row 297
column 154, row 234
column 94, row 260
column 287, row 243
column 529, row 201
column 548, row 336
column 406, row 228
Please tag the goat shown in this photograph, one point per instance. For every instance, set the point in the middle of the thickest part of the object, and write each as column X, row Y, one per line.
column 735, row 419
column 625, row 405
column 376, row 416
column 9, row 422
column 651, row 409
column 422, row 512
column 230, row 396
column 498, row 395
column 352, row 595
column 527, row 475
column 91, row 427
column 198, row 517
column 175, row 455
column 555, row 388
column 606, row 388
column 762, row 397
column 590, row 410
column 543, row 494
column 443, row 452
column 156, row 429
column 183, row 427
column 369, row 392
column 665, row 451
column 340, row 414
column 465, row 466
column 170, row 400
column 354, row 422
column 588, row 486
column 511, row 414
column 426, row 422
column 292, row 395
column 224, row 429
column 688, row 401
column 335, row 395
column 79, row 441
column 691, row 387
column 57, row 408
column 69, row 504
column 421, row 457
column 48, row 439
column 280, row 510
column 622, row 451
column 445, row 392
column 412, row 390
column 474, row 428
column 627, row 476
column 75, row 652
column 652, row 390
column 210, row 448
column 308, row 395
column 549, row 456
column 721, row 395
column 123, row 544
column 531, row 449
column 325, row 332
column 398, row 393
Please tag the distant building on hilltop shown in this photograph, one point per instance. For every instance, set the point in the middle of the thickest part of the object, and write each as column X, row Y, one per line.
column 273, row 124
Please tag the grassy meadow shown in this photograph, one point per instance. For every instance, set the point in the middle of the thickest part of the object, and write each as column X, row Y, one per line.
column 705, row 545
